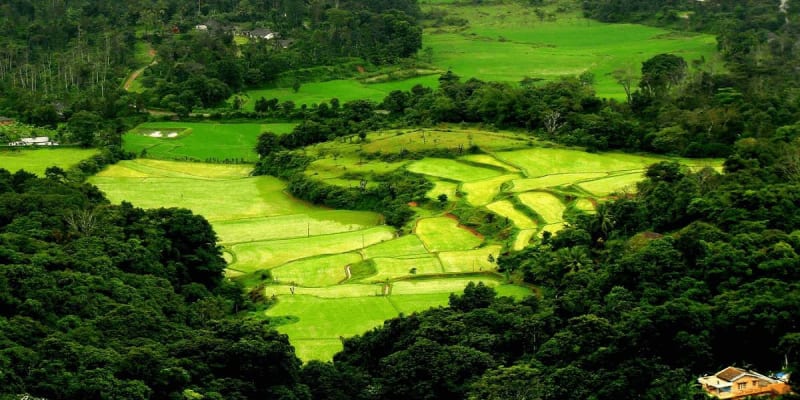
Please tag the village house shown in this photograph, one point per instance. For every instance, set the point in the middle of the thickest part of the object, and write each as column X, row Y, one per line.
column 34, row 141
column 6, row 121
column 260, row 34
column 737, row 383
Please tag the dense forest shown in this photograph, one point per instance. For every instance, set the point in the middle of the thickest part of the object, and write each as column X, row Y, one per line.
column 115, row 302
column 694, row 271
column 61, row 57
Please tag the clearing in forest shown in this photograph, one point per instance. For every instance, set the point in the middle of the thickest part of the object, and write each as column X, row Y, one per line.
column 333, row 272
column 337, row 273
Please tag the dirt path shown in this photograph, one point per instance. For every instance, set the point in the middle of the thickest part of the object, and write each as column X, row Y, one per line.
column 135, row 74
column 131, row 78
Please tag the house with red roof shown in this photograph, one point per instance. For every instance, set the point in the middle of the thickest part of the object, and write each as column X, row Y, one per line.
column 738, row 383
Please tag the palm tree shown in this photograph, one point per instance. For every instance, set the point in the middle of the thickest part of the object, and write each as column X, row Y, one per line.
column 572, row 259
column 602, row 224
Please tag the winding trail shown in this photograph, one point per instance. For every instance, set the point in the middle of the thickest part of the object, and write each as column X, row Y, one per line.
column 135, row 74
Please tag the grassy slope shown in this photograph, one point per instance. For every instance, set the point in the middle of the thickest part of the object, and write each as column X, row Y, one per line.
column 444, row 234
column 37, row 160
column 506, row 42
column 201, row 141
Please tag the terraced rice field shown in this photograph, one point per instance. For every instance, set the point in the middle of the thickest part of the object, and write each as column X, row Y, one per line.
column 528, row 184
column 443, row 234
column 476, row 260
column 505, row 208
column 335, row 273
column 451, row 169
column 606, row 186
column 548, row 206
column 319, row 271
column 443, row 187
column 394, row 141
column 269, row 254
column 482, row 192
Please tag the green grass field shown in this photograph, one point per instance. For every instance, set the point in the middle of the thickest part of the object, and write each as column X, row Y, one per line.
column 408, row 245
column 254, row 256
column 549, row 207
column 199, row 141
column 507, row 42
column 451, row 169
column 443, row 187
column 37, row 160
column 316, row 271
column 505, row 208
column 528, row 184
column 444, row 234
column 606, row 186
column 482, row 192
column 323, row 318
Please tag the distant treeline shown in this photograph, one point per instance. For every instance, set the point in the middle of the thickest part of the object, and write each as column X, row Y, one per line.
column 672, row 111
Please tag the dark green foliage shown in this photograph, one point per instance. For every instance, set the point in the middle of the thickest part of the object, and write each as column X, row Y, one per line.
column 390, row 198
column 110, row 302
column 283, row 164
column 662, row 72
column 475, row 296
column 268, row 142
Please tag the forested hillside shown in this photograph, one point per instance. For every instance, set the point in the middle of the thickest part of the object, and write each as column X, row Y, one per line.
column 115, row 302
column 61, row 57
